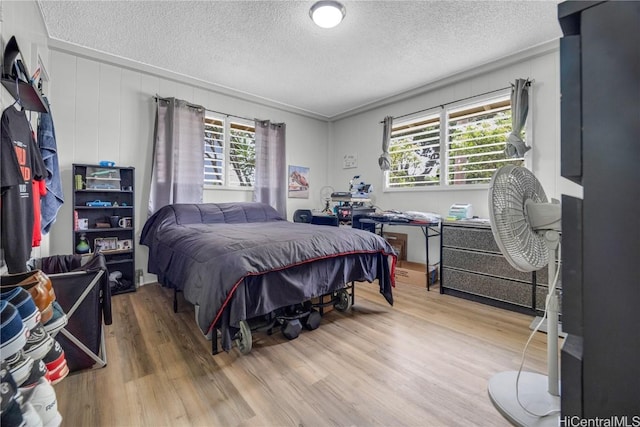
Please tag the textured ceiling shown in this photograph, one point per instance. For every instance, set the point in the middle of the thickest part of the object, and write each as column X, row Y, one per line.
column 274, row 51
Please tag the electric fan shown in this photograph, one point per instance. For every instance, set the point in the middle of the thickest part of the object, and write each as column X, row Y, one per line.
column 526, row 228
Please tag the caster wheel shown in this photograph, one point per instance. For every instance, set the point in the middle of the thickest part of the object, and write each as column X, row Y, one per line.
column 344, row 300
column 313, row 320
column 244, row 341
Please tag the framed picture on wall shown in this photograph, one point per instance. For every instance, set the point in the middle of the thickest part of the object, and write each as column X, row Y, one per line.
column 298, row 182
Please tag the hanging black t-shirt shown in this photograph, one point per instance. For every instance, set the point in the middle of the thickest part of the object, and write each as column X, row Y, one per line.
column 20, row 164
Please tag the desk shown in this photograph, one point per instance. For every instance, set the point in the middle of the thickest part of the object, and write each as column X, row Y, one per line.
column 429, row 229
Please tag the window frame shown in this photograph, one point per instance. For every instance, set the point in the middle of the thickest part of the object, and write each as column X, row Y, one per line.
column 227, row 170
column 444, row 111
column 413, row 118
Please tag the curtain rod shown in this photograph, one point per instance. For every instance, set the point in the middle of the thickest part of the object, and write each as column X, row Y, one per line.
column 458, row 100
column 157, row 98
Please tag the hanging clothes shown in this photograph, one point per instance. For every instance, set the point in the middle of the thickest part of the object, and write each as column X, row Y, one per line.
column 21, row 163
column 53, row 198
column 39, row 191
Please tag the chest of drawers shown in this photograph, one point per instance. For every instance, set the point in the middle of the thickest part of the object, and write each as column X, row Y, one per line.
column 474, row 268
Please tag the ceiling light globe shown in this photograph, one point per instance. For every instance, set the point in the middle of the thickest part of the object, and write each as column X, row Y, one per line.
column 327, row 14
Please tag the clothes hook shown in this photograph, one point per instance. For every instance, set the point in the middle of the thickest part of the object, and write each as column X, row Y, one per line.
column 17, row 101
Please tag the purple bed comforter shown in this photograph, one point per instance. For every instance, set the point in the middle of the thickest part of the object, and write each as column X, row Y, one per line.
column 236, row 261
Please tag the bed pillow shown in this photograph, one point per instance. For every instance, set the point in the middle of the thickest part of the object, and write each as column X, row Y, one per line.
column 224, row 213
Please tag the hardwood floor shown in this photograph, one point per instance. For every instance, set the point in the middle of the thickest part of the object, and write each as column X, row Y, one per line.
column 423, row 362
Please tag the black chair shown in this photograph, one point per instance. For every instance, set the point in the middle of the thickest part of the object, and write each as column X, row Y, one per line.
column 303, row 215
column 361, row 212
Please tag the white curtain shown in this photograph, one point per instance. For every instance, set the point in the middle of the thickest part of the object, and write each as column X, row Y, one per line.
column 178, row 155
column 270, row 184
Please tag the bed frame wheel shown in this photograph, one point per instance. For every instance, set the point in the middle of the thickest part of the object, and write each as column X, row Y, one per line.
column 312, row 321
column 244, row 340
column 291, row 329
column 344, row 300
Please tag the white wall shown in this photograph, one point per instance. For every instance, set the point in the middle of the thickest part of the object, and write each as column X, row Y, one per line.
column 362, row 134
column 104, row 110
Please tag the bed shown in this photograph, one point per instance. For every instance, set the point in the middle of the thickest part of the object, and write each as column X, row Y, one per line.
column 238, row 261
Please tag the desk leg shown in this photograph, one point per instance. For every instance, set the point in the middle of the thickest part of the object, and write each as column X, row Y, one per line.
column 425, row 230
column 441, row 258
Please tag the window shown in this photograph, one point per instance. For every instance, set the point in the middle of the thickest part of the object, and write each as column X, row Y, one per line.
column 415, row 153
column 229, row 152
column 213, row 151
column 242, row 155
column 475, row 141
column 472, row 142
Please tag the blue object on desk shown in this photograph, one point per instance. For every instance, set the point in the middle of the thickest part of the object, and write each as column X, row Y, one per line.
column 107, row 163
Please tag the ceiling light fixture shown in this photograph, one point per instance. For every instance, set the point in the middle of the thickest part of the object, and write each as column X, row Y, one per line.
column 327, row 13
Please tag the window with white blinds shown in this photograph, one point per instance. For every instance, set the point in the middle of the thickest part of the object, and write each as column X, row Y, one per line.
column 457, row 146
column 229, row 152
column 476, row 137
column 415, row 153
column 213, row 151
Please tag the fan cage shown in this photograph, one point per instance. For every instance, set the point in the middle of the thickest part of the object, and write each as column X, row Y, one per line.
column 511, row 187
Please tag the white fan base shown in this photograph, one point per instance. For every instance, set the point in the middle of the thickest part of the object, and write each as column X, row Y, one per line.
column 533, row 395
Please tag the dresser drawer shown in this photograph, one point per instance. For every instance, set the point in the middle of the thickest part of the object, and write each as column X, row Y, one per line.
column 517, row 293
column 480, row 262
column 480, row 239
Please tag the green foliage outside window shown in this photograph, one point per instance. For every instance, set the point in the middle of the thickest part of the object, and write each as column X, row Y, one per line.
column 242, row 156
column 474, row 147
column 477, row 148
column 241, row 153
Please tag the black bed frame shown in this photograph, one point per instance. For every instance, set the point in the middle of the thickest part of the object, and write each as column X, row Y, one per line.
column 325, row 300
